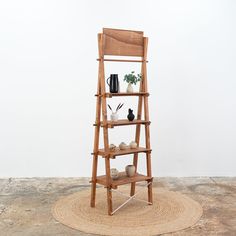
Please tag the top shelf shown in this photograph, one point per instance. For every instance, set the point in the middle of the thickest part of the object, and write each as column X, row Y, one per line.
column 121, row 60
column 109, row 95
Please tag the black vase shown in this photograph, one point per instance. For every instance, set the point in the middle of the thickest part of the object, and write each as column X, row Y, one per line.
column 113, row 83
column 130, row 116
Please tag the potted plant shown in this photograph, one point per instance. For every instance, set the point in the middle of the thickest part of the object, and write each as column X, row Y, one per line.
column 132, row 79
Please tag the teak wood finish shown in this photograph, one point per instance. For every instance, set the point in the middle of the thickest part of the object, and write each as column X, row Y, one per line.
column 116, row 42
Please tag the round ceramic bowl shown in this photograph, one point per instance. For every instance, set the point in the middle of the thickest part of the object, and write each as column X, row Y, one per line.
column 114, row 173
column 123, row 146
column 133, row 145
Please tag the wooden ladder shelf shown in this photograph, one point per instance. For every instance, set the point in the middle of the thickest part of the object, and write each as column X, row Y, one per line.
column 116, row 42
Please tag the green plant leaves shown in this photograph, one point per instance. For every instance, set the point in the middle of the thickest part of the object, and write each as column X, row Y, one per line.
column 132, row 78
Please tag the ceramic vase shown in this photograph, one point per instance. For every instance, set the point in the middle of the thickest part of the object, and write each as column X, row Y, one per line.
column 113, row 83
column 114, row 116
column 130, row 170
column 129, row 88
column 130, row 116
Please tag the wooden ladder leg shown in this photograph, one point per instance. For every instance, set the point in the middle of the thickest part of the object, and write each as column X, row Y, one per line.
column 96, row 139
column 97, row 133
column 94, row 176
column 137, row 134
column 109, row 192
column 108, row 169
column 147, row 129
column 135, row 163
column 104, row 118
column 109, row 201
column 149, row 173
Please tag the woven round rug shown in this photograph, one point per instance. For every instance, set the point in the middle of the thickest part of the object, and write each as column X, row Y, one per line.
column 170, row 212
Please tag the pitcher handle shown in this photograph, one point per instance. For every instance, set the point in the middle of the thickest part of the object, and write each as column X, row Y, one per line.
column 107, row 81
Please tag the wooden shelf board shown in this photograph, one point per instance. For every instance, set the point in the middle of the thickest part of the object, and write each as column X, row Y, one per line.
column 102, row 152
column 109, row 95
column 122, row 122
column 121, row 60
column 123, row 179
column 126, row 94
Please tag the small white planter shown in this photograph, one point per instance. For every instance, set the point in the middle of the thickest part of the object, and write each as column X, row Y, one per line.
column 114, row 116
column 129, row 88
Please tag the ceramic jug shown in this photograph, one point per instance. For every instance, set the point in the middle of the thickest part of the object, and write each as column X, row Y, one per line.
column 113, row 83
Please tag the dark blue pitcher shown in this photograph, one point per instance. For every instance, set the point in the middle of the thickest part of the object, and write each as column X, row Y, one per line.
column 113, row 83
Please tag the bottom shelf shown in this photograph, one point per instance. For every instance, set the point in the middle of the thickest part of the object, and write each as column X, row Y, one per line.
column 123, row 179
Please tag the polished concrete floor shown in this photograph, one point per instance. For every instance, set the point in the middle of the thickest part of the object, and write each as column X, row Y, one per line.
column 25, row 204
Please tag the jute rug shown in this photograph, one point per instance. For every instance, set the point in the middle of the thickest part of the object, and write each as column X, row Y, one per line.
column 170, row 212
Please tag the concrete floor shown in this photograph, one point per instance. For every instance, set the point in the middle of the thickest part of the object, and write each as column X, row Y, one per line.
column 25, row 204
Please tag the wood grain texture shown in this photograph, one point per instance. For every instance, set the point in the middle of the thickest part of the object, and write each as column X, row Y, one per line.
column 105, row 131
column 121, row 60
column 147, row 128
column 123, row 179
column 123, row 122
column 109, row 95
column 103, row 153
column 97, row 133
column 123, row 42
column 138, row 126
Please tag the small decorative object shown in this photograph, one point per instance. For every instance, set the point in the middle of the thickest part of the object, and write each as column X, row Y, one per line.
column 133, row 144
column 130, row 116
column 114, row 173
column 132, row 79
column 112, row 147
column 123, row 146
column 114, row 115
column 130, row 170
column 117, row 149
column 113, row 83
column 129, row 88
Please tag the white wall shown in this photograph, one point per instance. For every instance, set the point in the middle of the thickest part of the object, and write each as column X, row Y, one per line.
column 48, row 76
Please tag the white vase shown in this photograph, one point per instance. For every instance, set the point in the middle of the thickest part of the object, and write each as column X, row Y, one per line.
column 114, row 116
column 129, row 88
column 130, row 170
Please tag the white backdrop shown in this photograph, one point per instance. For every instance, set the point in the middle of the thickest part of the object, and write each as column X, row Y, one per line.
column 48, row 78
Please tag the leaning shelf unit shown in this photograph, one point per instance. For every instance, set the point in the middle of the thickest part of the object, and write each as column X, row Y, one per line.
column 116, row 42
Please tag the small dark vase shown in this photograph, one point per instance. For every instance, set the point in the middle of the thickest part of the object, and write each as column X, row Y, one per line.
column 113, row 83
column 130, row 116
